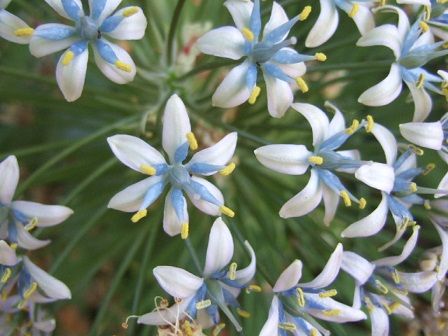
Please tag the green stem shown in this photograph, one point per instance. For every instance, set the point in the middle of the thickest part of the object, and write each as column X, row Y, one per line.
column 206, row 67
column 37, row 149
column 350, row 66
column 194, row 256
column 172, row 31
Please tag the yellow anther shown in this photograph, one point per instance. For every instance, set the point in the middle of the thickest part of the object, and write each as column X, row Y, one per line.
column 354, row 10
column 352, row 129
column 192, row 141
column 424, row 26
column 305, row 13
column 381, row 286
column 387, row 308
column 321, row 57
column 32, row 224
column 370, row 124
column 429, row 168
column 395, row 276
column 184, row 230
column 254, row 95
column 316, row 160
column 416, row 150
column 218, row 329
column 331, row 312
column 329, row 293
column 67, row 58
column 6, row 274
column 300, row 297
column 203, row 304
column 362, row 203
column 254, row 288
column 427, row 205
column 123, row 66
column 248, row 34
column 129, row 12
column 148, row 170
column 24, row 32
column 139, row 215
column 227, row 170
column 427, row 16
column 302, row 85
column 394, row 306
column 187, row 328
column 226, row 211
column 287, row 326
column 383, row 3
column 4, row 295
column 13, row 246
column 413, row 187
column 314, row 332
column 420, row 81
column 232, row 271
column 445, row 93
column 30, row 290
column 346, row 198
column 369, row 304
column 242, row 313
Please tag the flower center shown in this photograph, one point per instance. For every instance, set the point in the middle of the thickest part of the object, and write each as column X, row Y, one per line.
column 87, row 28
column 179, row 177
column 263, row 51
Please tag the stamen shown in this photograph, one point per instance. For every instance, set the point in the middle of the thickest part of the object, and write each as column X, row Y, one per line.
column 424, row 26
column 24, row 32
column 242, row 313
column 218, row 329
column 302, row 85
column 226, row 211
column 125, row 324
column 314, row 332
column 381, row 286
column 346, row 198
column 370, row 124
column 316, row 160
column 129, row 12
column 300, row 297
column 420, row 80
column 329, row 293
column 6, row 274
column 429, row 168
column 388, row 310
column 353, row 127
column 427, row 205
column 248, row 34
column 232, row 271
column 32, row 224
column 395, row 276
column 13, row 246
column 413, row 187
column 184, row 231
column 30, row 290
column 227, row 170
column 254, row 288
column 354, row 10
column 4, row 295
column 427, row 13
column 383, row 3
column 139, row 215
column 305, row 13
column 203, row 304
column 69, row 55
column 254, row 95
column 192, row 141
column 362, row 203
column 331, row 312
column 148, row 170
column 416, row 150
column 287, row 326
column 321, row 57
column 394, row 306
column 369, row 304
column 187, row 328
column 123, row 66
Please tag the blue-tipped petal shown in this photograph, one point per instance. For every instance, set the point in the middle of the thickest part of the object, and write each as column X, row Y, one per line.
column 111, row 23
column 398, row 209
column 203, row 168
column 255, row 20
column 72, row 9
column 290, row 56
column 152, row 194
column 97, row 8
column 56, row 33
column 106, row 52
column 251, row 76
column 278, row 33
column 334, row 142
column 181, row 152
column 332, row 181
column 275, row 71
column 178, row 202
column 78, row 47
column 198, row 189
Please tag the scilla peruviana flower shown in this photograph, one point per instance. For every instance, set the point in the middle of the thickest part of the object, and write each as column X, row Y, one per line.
column 294, row 302
column 324, row 161
column 201, row 296
column 13, row 28
column 280, row 64
column 177, row 138
column 413, row 47
column 382, row 289
column 17, row 218
column 114, row 62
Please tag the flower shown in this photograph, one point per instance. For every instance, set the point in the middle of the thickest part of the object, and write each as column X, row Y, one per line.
column 12, row 28
column 176, row 139
column 128, row 23
column 438, row 19
column 17, row 218
column 383, row 289
column 280, row 64
column 324, row 160
column 328, row 19
column 413, row 47
column 201, row 297
column 294, row 302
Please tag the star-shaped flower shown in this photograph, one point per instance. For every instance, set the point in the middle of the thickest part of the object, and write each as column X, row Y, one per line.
column 13, row 28
column 176, row 140
column 280, row 64
column 201, row 296
column 128, row 23
column 17, row 218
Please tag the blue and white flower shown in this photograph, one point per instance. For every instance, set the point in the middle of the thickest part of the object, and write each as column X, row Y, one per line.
column 294, row 302
column 201, row 296
column 128, row 23
column 13, row 28
column 177, row 138
column 281, row 65
column 17, row 218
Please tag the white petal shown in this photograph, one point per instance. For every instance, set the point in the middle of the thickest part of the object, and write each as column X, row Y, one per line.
column 419, row 282
column 59, row 8
column 289, row 277
column 165, row 316
column 130, row 28
column 240, row 11
column 337, row 123
column 285, row 159
column 277, row 18
column 9, row 23
column 422, row 102
column 233, row 90
column 325, row 25
column 176, row 125
column 353, row 154
column 385, row 91
column 346, row 313
column 176, row 281
column 318, row 120
column 306, row 200
column 246, row 274
column 377, row 175
column 409, row 163
column 109, row 7
column 134, row 152
column 357, row 267
column 51, row 286
column 270, row 328
column 364, row 19
column 27, row 241
column 387, row 35
column 71, row 77
column 4, row 3
column 219, row 154
column 425, row 134
column 171, row 223
column 110, row 70
column 330, row 271
column 47, row 215
column 380, row 322
column 208, row 208
column 293, row 70
column 131, row 198
column 280, row 95
column 387, row 141
column 331, row 202
column 9, row 177
column 225, row 42
column 219, row 249
column 437, row 221
column 41, row 47
column 7, row 254
column 370, row 224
